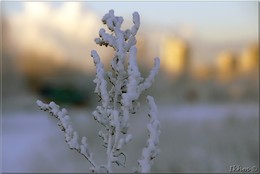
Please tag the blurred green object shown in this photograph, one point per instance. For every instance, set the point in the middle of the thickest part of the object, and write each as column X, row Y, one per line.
column 64, row 95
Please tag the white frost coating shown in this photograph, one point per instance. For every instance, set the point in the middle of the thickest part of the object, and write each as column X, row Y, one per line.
column 134, row 77
column 130, row 43
column 151, row 150
column 73, row 143
column 136, row 20
column 101, row 88
column 120, row 144
column 153, row 108
column 149, row 80
column 105, row 39
column 42, row 105
column 119, row 102
column 84, row 147
column 128, row 138
column 68, row 133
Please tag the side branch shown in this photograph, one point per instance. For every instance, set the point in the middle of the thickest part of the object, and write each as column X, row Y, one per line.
column 71, row 137
column 149, row 80
column 151, row 150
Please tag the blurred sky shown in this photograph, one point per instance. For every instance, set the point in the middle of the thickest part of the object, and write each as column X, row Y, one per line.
column 213, row 21
column 63, row 32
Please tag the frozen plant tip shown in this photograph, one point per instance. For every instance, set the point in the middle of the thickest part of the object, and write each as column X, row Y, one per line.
column 119, row 91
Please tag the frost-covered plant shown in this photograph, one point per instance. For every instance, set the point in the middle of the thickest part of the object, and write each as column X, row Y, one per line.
column 117, row 103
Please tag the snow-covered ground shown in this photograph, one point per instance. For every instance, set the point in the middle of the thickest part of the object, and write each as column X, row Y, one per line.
column 194, row 138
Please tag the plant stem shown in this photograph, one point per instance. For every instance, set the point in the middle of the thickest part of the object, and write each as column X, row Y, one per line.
column 109, row 149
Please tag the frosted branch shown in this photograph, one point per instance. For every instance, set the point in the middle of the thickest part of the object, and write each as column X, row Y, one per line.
column 119, row 102
column 151, row 150
column 71, row 136
column 149, row 80
column 136, row 20
column 101, row 83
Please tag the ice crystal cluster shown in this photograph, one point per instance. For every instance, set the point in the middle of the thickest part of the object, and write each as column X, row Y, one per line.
column 119, row 100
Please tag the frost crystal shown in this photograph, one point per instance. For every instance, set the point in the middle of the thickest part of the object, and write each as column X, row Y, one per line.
column 119, row 102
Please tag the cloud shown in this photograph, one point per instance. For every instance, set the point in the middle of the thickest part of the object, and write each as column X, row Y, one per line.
column 59, row 32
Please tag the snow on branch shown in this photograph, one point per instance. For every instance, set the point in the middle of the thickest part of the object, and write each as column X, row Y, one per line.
column 101, row 83
column 149, row 80
column 119, row 99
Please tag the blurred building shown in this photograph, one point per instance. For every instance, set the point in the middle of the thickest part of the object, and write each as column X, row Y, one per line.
column 248, row 63
column 225, row 66
column 174, row 56
column 202, row 72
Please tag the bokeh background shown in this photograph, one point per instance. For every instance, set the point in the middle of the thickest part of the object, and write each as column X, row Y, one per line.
column 206, row 91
